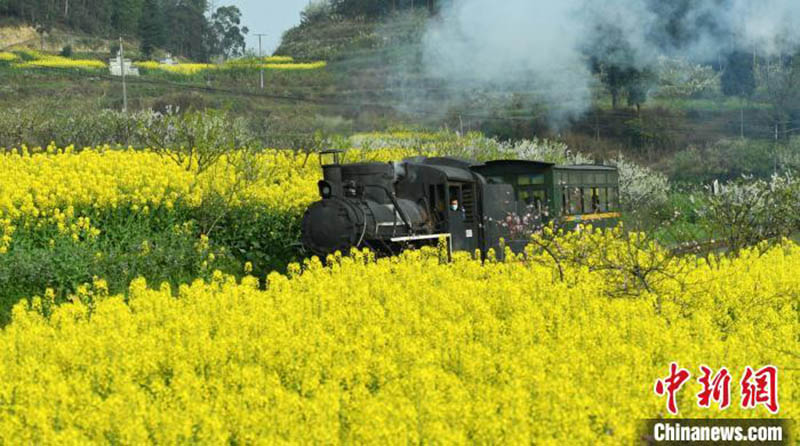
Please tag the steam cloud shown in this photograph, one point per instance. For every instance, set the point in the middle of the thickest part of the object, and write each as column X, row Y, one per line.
column 546, row 44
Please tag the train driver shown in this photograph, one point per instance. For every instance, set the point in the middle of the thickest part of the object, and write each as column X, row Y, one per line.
column 453, row 204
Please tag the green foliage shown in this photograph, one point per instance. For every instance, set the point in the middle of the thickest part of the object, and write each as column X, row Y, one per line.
column 266, row 239
column 130, row 245
column 724, row 160
column 779, row 79
column 126, row 15
column 161, row 245
column 191, row 32
column 226, row 36
column 151, row 28
column 677, row 78
column 746, row 212
column 316, row 11
column 378, row 8
column 194, row 140
column 738, row 78
column 39, row 127
column 66, row 51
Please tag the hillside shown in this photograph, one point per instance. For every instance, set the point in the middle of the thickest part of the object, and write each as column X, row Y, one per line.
column 383, row 66
column 382, row 72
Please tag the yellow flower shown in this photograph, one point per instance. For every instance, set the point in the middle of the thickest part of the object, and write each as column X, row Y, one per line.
column 402, row 349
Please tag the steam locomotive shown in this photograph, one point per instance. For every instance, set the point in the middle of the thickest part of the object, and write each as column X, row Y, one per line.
column 390, row 206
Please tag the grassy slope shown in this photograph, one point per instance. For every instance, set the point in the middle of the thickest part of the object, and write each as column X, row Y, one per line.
column 365, row 85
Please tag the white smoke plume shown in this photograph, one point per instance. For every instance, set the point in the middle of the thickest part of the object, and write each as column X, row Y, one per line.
column 547, row 44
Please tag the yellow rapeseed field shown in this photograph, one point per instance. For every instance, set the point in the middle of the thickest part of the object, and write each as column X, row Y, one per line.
column 278, row 59
column 398, row 350
column 296, row 66
column 7, row 57
column 51, row 61
column 271, row 63
column 181, row 68
column 58, row 186
column 392, row 351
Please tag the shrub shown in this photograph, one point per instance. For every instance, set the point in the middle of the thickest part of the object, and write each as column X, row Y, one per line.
column 640, row 188
column 748, row 211
column 724, row 160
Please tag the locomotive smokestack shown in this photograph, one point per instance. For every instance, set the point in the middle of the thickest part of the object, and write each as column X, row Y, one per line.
column 331, row 185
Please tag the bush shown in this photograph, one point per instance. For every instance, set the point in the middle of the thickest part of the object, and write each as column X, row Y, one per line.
column 130, row 245
column 725, row 160
column 66, row 51
column 746, row 212
column 640, row 188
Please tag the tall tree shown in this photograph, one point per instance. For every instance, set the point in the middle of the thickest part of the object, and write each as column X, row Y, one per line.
column 125, row 15
column 189, row 27
column 226, row 35
column 781, row 79
column 151, row 27
column 739, row 79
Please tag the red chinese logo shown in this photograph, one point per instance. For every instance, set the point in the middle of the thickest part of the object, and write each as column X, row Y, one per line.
column 677, row 377
column 758, row 387
column 716, row 388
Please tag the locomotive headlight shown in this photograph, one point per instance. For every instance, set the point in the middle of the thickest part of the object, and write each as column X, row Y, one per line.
column 325, row 189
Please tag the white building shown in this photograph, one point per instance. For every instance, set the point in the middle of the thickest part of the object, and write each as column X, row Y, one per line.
column 115, row 65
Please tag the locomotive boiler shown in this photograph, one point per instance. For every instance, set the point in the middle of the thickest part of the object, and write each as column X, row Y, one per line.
column 390, row 206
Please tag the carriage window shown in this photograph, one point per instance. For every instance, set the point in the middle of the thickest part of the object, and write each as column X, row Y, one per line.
column 596, row 200
column 455, row 194
column 495, row 180
column 524, row 180
column 612, row 198
column 533, row 197
column 437, row 197
column 603, row 196
column 587, row 200
column 575, row 200
column 539, row 201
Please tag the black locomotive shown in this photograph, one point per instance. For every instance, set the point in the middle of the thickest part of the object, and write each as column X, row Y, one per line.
column 389, row 206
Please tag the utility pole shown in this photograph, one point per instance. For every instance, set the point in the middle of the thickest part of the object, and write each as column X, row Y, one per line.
column 124, row 86
column 260, row 59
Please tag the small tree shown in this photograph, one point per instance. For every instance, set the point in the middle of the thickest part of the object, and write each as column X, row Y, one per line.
column 194, row 140
column 747, row 212
column 207, row 143
column 781, row 81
